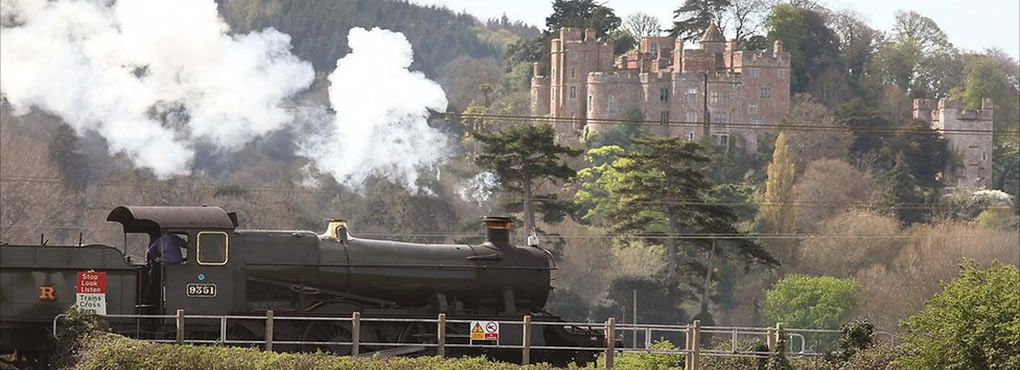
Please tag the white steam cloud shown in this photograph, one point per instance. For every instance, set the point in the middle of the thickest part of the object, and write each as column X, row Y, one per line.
column 382, row 107
column 150, row 76
column 478, row 188
column 155, row 77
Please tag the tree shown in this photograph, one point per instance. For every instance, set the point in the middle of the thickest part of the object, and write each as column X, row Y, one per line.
column 641, row 24
column 866, row 142
column 803, row 32
column 779, row 214
column 744, row 18
column 856, row 40
column 525, row 158
column 900, row 194
column 658, row 191
column 692, row 19
column 974, row 323
column 582, row 14
column 620, row 135
column 801, row 301
column 819, row 136
column 827, row 188
column 65, row 152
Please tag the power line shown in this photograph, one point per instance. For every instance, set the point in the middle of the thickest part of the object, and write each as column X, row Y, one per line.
column 678, row 202
column 694, row 124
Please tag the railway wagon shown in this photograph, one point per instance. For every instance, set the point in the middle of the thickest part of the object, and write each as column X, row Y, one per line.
column 196, row 259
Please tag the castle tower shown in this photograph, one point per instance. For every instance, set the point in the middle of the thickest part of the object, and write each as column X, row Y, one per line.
column 973, row 150
column 539, row 92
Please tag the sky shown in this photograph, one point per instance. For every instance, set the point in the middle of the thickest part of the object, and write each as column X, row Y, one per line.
column 970, row 24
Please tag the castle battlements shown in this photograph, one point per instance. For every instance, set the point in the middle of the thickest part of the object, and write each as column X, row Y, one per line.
column 666, row 81
column 974, row 150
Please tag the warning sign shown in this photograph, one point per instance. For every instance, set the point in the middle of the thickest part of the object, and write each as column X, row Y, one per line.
column 484, row 330
column 91, row 292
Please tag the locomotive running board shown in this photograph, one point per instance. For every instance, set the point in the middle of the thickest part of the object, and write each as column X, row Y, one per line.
column 393, row 351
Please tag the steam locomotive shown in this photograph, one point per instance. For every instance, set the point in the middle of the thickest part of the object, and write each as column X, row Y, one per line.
column 209, row 267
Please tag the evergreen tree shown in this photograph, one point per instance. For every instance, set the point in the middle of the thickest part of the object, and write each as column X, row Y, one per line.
column 778, row 214
column 658, row 190
column 65, row 152
column 900, row 193
column 582, row 14
column 525, row 158
column 812, row 45
column 692, row 19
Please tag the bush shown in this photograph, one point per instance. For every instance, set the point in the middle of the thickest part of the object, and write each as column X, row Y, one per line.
column 878, row 357
column 645, row 361
column 974, row 323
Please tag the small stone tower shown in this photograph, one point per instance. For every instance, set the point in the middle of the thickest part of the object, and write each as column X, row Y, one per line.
column 972, row 163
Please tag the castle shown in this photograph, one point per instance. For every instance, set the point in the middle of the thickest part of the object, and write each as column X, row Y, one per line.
column 961, row 129
column 714, row 90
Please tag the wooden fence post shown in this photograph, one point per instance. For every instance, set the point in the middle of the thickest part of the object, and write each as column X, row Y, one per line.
column 269, row 330
column 180, row 326
column 696, row 345
column 355, row 332
column 441, row 336
column 688, row 348
column 610, row 341
column 526, row 341
column 770, row 339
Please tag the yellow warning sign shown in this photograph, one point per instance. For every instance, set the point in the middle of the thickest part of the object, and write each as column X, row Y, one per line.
column 484, row 330
column 477, row 333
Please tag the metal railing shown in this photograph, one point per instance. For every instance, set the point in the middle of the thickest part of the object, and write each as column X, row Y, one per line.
column 692, row 349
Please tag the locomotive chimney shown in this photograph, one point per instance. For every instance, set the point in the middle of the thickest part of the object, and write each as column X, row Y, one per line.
column 497, row 231
column 337, row 230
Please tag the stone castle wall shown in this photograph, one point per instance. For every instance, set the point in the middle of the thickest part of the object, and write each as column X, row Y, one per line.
column 667, row 83
column 972, row 150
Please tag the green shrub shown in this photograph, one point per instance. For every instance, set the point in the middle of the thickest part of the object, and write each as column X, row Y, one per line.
column 878, row 357
column 974, row 323
column 644, row 361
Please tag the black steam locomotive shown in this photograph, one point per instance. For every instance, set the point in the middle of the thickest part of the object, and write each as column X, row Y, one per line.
column 198, row 261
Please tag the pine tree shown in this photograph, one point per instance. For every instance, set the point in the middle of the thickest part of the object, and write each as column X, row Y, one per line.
column 65, row 152
column 692, row 19
column 526, row 157
column 779, row 214
column 900, row 194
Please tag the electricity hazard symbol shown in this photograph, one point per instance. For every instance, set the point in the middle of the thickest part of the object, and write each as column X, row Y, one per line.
column 484, row 330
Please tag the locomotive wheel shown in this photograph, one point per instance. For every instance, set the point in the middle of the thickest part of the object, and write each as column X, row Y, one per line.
column 326, row 332
column 241, row 332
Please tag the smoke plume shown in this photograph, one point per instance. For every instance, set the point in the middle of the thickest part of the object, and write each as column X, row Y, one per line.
column 150, row 76
column 156, row 78
column 381, row 127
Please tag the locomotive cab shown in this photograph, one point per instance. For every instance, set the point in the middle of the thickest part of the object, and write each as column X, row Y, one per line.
column 187, row 258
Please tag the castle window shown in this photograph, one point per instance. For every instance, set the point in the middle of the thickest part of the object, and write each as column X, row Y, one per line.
column 573, row 56
column 692, row 96
column 573, row 72
column 692, row 116
column 752, row 108
column 719, row 117
column 756, row 122
column 573, row 92
column 754, row 72
column 664, row 95
column 984, row 156
column 714, row 97
column 780, row 73
column 763, row 93
column 589, row 103
column 612, row 104
column 726, row 97
column 653, row 47
column 664, row 118
column 724, row 140
column 690, row 136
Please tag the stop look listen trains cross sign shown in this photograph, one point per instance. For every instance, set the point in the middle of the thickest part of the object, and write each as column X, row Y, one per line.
column 91, row 292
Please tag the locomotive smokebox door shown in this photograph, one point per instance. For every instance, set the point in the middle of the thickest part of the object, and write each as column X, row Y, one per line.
column 204, row 285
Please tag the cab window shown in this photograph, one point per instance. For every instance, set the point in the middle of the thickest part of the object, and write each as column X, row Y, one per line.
column 212, row 247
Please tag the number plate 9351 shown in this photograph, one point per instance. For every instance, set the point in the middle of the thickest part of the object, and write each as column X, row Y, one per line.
column 201, row 290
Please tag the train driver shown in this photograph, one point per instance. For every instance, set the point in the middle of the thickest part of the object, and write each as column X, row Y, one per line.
column 166, row 249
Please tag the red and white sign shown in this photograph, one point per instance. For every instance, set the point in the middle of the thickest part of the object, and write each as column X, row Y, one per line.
column 484, row 330
column 91, row 292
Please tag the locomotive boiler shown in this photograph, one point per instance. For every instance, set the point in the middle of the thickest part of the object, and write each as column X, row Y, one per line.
column 199, row 261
